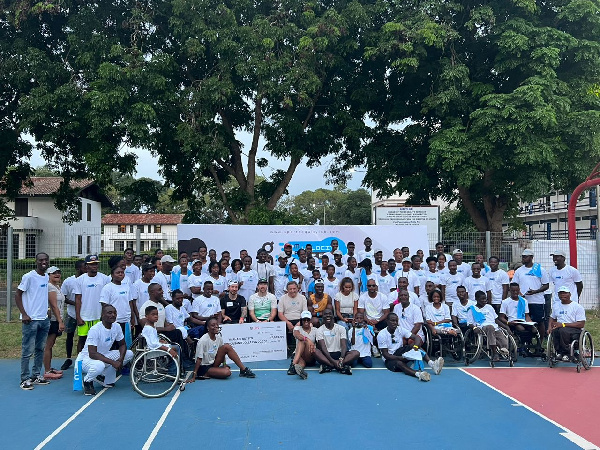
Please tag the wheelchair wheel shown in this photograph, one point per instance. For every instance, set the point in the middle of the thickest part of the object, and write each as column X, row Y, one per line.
column 550, row 351
column 513, row 351
column 428, row 344
column 456, row 345
column 586, row 350
column 473, row 345
column 154, row 373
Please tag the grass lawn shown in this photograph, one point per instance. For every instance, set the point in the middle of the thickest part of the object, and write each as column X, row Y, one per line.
column 10, row 334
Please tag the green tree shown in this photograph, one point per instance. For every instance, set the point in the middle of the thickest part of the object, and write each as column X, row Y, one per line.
column 487, row 103
column 339, row 206
column 184, row 79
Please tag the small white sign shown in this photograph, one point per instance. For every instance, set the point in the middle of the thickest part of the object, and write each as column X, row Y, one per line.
column 261, row 341
column 411, row 216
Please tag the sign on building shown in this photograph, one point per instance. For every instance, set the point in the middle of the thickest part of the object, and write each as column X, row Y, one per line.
column 411, row 216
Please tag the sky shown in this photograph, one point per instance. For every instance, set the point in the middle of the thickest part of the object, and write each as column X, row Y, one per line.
column 304, row 179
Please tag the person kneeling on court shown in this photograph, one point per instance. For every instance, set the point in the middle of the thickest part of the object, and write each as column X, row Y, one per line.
column 331, row 340
column 566, row 321
column 97, row 357
column 398, row 353
column 211, row 352
column 483, row 318
column 151, row 336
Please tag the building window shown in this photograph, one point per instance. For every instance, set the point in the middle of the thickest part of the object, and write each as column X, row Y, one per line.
column 16, row 246
column 157, row 228
column 80, row 211
column 119, row 246
column 142, row 247
column 130, row 244
column 30, row 245
column 155, row 245
column 122, row 229
column 149, row 228
column 141, row 228
column 131, row 228
column 89, row 212
column 80, row 245
column 21, row 207
column 89, row 245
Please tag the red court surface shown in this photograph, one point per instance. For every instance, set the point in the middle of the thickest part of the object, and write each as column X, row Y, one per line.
column 561, row 394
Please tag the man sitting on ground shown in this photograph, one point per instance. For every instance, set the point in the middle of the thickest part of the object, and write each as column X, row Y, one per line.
column 398, row 353
column 97, row 357
column 331, row 340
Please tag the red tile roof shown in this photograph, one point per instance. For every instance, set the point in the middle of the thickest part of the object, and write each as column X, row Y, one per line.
column 49, row 185
column 142, row 219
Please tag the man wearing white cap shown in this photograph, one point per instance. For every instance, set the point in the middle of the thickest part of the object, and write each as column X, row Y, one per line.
column 463, row 268
column 406, row 272
column 565, row 275
column 566, row 321
column 164, row 277
column 533, row 281
column 280, row 275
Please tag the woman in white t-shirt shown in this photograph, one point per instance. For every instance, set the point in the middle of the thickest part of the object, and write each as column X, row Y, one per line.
column 353, row 273
column 306, row 345
column 346, row 303
column 248, row 279
column 219, row 282
column 442, row 263
column 437, row 315
column 117, row 293
column 56, row 299
column 211, row 352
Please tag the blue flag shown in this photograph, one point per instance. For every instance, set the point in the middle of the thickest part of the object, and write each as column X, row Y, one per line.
column 363, row 280
column 478, row 317
column 536, row 270
column 128, row 334
column 78, row 376
column 521, row 308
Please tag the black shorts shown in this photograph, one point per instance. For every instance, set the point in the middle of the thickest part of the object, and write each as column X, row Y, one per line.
column 335, row 355
column 54, row 329
column 203, row 369
column 537, row 312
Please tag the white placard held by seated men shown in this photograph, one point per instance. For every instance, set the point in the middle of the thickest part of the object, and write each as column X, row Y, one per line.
column 264, row 341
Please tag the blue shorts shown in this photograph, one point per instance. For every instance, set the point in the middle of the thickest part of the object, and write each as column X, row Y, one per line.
column 537, row 312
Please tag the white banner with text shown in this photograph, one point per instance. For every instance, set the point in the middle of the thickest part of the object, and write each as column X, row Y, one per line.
column 261, row 341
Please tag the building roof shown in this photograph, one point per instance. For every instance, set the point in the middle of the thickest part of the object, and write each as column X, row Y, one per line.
column 46, row 186
column 142, row 219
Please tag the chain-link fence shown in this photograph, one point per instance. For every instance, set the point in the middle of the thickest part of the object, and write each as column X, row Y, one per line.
column 65, row 245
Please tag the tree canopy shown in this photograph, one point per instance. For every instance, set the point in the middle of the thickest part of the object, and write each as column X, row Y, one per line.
column 487, row 103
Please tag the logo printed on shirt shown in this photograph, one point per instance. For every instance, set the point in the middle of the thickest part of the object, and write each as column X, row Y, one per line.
column 44, row 285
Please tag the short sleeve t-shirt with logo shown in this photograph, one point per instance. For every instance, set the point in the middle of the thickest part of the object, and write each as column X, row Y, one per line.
column 206, row 306
column 35, row 295
column 497, row 280
column 161, row 312
column 392, row 342
column 332, row 338
column 90, row 289
column 119, row 297
column 262, row 305
column 207, row 349
column 292, row 307
column 102, row 338
column 573, row 312
column 176, row 316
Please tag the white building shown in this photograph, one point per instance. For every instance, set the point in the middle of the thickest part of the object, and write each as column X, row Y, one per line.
column 38, row 225
column 156, row 231
column 546, row 218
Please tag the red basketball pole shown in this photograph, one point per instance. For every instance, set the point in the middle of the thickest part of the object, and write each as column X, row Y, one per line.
column 592, row 180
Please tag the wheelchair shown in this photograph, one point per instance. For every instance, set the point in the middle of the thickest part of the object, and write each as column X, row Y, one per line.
column 529, row 342
column 155, row 373
column 581, row 351
column 444, row 344
column 476, row 347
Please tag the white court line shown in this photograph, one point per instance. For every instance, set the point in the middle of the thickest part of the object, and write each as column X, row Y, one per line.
column 573, row 437
column 72, row 418
column 161, row 421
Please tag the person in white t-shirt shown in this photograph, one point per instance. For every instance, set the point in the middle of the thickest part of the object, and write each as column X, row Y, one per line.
column 514, row 309
column 87, row 298
column 431, row 273
column 176, row 314
column 211, row 353
column 564, row 275
column 566, row 322
column 196, row 279
column 354, row 273
column 306, row 346
column 386, row 282
column 205, row 307
column 460, row 309
column 70, row 320
column 477, row 282
column 331, row 283
column 499, row 281
column 367, row 253
column 218, row 281
column 264, row 269
column 398, row 353
column 118, row 294
column 132, row 272
column 97, row 357
column 360, row 338
column 150, row 335
column 279, row 276
column 410, row 315
column 164, row 276
column 450, row 282
column 461, row 267
column 437, row 315
column 32, row 300
column 439, row 248
column 248, row 278
column 331, row 341
column 484, row 319
column 139, row 293
column 340, row 267
column 346, row 303
column 334, row 248
column 374, row 305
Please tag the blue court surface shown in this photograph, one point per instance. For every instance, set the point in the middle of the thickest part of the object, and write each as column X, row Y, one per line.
column 373, row 408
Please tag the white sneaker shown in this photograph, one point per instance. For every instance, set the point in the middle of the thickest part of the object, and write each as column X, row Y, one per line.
column 503, row 352
column 375, row 352
column 423, row 376
column 438, row 364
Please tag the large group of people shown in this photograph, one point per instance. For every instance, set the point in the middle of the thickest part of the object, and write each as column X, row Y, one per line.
column 339, row 309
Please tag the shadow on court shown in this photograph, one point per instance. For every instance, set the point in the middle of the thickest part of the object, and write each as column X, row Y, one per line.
column 372, row 408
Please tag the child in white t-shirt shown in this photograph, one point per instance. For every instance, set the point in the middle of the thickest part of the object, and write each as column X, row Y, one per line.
column 151, row 336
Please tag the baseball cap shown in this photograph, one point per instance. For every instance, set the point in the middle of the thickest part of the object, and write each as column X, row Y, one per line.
column 564, row 289
column 558, row 253
column 92, row 259
column 319, row 281
column 377, row 251
column 457, row 251
column 52, row 269
column 407, row 260
column 527, row 252
column 232, row 282
column 337, row 252
column 305, row 315
column 263, row 281
column 194, row 262
column 167, row 259
column 287, row 245
column 282, row 255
